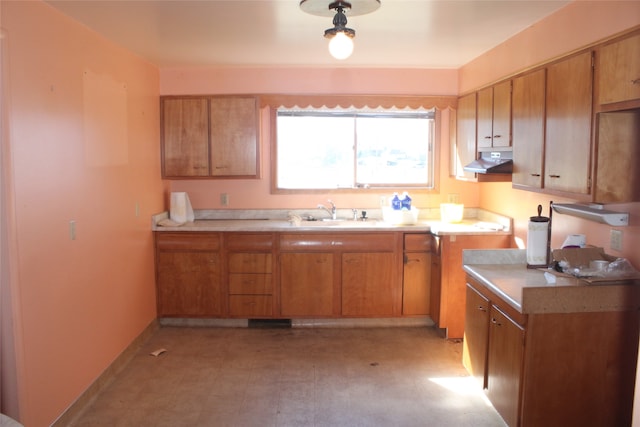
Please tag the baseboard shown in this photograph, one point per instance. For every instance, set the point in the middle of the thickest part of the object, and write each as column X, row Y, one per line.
column 86, row 398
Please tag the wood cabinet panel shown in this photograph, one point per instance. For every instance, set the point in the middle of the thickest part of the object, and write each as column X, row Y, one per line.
column 369, row 284
column 308, row 285
column 494, row 116
column 568, row 125
column 436, row 284
column 528, row 111
column 185, row 137
column 249, row 241
column 188, row 241
column 250, row 284
column 251, row 306
column 188, row 284
column 504, row 365
column 476, row 336
column 343, row 242
column 416, row 289
column 418, row 242
column 249, row 262
column 618, row 68
column 234, row 136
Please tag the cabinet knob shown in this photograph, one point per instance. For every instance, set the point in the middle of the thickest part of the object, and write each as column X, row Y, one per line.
column 635, row 82
column 495, row 322
column 481, row 308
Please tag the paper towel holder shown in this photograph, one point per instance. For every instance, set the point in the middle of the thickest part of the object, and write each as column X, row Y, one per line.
column 593, row 212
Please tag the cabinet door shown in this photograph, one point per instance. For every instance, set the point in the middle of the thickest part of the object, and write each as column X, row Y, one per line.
column 465, row 148
column 307, row 284
column 619, row 71
column 568, row 125
column 476, row 335
column 188, row 284
column 528, row 129
column 185, row 137
column 234, row 136
column 485, row 117
column 501, row 136
column 369, row 284
column 504, row 365
column 416, row 289
column 434, row 299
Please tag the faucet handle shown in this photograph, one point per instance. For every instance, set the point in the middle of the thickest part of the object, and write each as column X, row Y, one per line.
column 355, row 214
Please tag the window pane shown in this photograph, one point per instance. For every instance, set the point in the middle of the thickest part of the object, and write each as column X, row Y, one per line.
column 315, row 152
column 393, row 150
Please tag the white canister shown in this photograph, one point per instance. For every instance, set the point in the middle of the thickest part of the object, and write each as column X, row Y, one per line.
column 538, row 240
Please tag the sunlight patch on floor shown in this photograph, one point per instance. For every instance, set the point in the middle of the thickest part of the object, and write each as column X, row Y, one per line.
column 463, row 386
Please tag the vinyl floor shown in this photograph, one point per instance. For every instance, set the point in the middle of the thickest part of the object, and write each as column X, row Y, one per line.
column 397, row 376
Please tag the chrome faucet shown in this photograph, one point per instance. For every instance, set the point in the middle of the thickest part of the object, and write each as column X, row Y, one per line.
column 331, row 211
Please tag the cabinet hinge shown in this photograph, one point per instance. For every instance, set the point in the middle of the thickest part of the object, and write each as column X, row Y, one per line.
column 589, row 185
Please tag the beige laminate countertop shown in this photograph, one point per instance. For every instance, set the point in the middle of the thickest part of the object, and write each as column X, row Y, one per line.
column 466, row 227
column 528, row 291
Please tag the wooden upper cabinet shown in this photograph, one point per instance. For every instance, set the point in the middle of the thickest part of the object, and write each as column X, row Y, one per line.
column 185, row 137
column 618, row 68
column 465, row 147
column 494, row 116
column 568, row 125
column 528, row 114
column 234, row 136
column 210, row 137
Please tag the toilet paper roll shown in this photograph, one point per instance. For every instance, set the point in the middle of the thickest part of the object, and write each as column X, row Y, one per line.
column 537, row 237
column 180, row 209
column 575, row 240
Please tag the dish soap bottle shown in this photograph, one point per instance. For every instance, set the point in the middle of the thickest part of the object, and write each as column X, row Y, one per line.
column 405, row 203
column 396, row 204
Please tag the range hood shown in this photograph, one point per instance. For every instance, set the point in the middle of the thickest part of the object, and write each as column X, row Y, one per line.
column 500, row 162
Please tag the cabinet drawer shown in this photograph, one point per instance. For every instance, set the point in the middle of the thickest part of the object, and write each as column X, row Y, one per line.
column 250, row 284
column 251, row 305
column 417, row 242
column 188, row 241
column 249, row 263
column 379, row 242
column 248, row 241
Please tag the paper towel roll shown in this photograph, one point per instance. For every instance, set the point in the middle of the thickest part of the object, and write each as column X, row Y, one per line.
column 181, row 210
column 537, row 236
column 575, row 240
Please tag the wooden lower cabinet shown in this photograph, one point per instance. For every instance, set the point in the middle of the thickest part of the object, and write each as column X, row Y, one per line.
column 452, row 277
column 307, row 284
column 552, row 369
column 250, row 276
column 416, row 275
column 370, row 284
column 188, row 275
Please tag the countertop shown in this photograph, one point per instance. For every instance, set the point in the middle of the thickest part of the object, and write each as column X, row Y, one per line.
column 275, row 221
column 505, row 273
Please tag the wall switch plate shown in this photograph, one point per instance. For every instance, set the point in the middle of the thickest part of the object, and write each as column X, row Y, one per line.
column 224, row 199
column 72, row 230
column 616, row 240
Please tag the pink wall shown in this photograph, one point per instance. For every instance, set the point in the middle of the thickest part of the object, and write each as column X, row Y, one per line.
column 84, row 141
column 578, row 24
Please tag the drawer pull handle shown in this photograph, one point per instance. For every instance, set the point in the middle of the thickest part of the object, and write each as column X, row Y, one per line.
column 336, row 243
column 535, row 174
column 554, row 176
column 497, row 136
column 487, row 137
column 635, row 81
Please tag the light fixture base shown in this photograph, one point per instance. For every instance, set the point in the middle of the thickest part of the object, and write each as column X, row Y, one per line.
column 324, row 7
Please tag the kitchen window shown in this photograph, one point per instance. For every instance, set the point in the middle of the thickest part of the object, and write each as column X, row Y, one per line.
column 325, row 149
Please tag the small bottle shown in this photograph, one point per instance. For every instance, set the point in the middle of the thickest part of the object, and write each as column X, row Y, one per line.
column 396, row 204
column 405, row 202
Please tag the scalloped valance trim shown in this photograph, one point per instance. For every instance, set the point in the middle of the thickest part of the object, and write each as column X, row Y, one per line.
column 359, row 101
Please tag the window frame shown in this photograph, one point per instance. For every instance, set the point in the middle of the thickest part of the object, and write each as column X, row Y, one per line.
column 435, row 153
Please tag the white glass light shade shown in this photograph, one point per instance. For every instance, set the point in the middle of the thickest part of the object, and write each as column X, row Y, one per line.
column 341, row 46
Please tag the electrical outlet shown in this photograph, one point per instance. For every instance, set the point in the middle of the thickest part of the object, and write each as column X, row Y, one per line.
column 616, row 240
column 224, row 199
column 453, row 198
column 137, row 209
column 383, row 201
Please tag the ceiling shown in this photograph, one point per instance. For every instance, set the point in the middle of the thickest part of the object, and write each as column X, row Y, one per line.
column 270, row 33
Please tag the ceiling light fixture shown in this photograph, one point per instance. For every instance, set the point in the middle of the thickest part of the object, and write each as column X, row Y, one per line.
column 341, row 37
